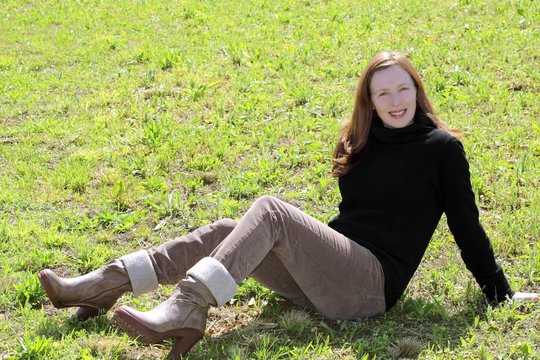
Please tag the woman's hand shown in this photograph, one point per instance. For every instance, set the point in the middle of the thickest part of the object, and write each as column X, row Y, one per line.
column 525, row 297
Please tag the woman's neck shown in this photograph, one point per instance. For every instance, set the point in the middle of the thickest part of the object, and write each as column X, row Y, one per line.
column 391, row 127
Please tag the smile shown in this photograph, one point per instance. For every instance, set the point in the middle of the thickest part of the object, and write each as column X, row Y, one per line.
column 397, row 114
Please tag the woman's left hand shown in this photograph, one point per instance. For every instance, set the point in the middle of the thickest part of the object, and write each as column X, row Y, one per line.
column 525, row 297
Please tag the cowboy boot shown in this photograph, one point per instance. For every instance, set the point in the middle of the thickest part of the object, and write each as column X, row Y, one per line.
column 96, row 292
column 183, row 315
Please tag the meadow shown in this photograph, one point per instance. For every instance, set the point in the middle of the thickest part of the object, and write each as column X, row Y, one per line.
column 127, row 123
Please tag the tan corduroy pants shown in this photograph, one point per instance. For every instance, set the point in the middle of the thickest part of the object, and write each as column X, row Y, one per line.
column 289, row 252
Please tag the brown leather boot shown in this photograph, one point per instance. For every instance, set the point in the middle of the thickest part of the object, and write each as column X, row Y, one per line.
column 94, row 293
column 183, row 315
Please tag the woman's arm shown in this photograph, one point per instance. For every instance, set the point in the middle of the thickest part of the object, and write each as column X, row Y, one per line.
column 463, row 220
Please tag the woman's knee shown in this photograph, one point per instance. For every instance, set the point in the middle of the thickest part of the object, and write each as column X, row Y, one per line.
column 226, row 225
column 266, row 202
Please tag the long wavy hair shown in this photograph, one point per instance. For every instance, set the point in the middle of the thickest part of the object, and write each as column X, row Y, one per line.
column 354, row 133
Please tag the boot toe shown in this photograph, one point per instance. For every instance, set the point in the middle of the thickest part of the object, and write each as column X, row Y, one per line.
column 133, row 323
column 49, row 280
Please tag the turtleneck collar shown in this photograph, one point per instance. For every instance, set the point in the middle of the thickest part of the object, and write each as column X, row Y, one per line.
column 383, row 134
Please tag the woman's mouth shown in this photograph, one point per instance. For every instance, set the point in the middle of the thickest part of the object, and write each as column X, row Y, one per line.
column 397, row 114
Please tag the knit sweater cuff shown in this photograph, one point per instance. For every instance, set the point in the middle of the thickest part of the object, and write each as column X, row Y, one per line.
column 496, row 287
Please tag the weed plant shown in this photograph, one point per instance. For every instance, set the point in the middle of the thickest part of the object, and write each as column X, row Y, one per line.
column 126, row 123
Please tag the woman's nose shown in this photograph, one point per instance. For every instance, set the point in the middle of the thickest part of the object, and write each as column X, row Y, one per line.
column 396, row 99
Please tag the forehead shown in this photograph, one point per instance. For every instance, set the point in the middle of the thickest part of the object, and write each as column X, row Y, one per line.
column 389, row 77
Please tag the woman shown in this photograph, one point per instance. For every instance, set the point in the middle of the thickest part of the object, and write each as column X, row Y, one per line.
column 399, row 168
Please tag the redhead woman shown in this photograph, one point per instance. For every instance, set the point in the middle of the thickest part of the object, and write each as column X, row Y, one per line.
column 399, row 168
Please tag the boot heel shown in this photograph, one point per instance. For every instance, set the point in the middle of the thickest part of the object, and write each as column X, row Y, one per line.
column 87, row 312
column 184, row 344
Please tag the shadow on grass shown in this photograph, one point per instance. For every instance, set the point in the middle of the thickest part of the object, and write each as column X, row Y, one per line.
column 412, row 326
column 59, row 327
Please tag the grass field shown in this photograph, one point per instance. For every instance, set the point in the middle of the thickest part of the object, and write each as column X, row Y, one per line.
column 126, row 123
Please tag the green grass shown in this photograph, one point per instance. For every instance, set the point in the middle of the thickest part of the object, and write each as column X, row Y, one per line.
column 126, row 123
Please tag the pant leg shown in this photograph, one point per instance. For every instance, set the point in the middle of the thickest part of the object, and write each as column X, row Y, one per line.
column 274, row 275
column 173, row 258
column 342, row 279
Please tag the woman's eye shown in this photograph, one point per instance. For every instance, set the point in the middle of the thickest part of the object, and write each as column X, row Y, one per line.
column 382, row 94
column 404, row 89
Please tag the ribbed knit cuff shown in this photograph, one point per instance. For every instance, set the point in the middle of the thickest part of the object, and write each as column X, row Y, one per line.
column 141, row 272
column 216, row 278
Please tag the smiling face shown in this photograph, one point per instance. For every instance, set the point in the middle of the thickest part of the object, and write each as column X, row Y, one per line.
column 393, row 94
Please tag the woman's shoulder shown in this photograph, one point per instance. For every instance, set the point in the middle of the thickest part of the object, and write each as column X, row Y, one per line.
column 434, row 134
column 441, row 137
column 445, row 146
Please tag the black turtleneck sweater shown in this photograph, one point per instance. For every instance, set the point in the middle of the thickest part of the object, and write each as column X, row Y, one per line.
column 395, row 195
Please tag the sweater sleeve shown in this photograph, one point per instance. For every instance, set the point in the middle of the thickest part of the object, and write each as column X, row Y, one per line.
column 463, row 221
